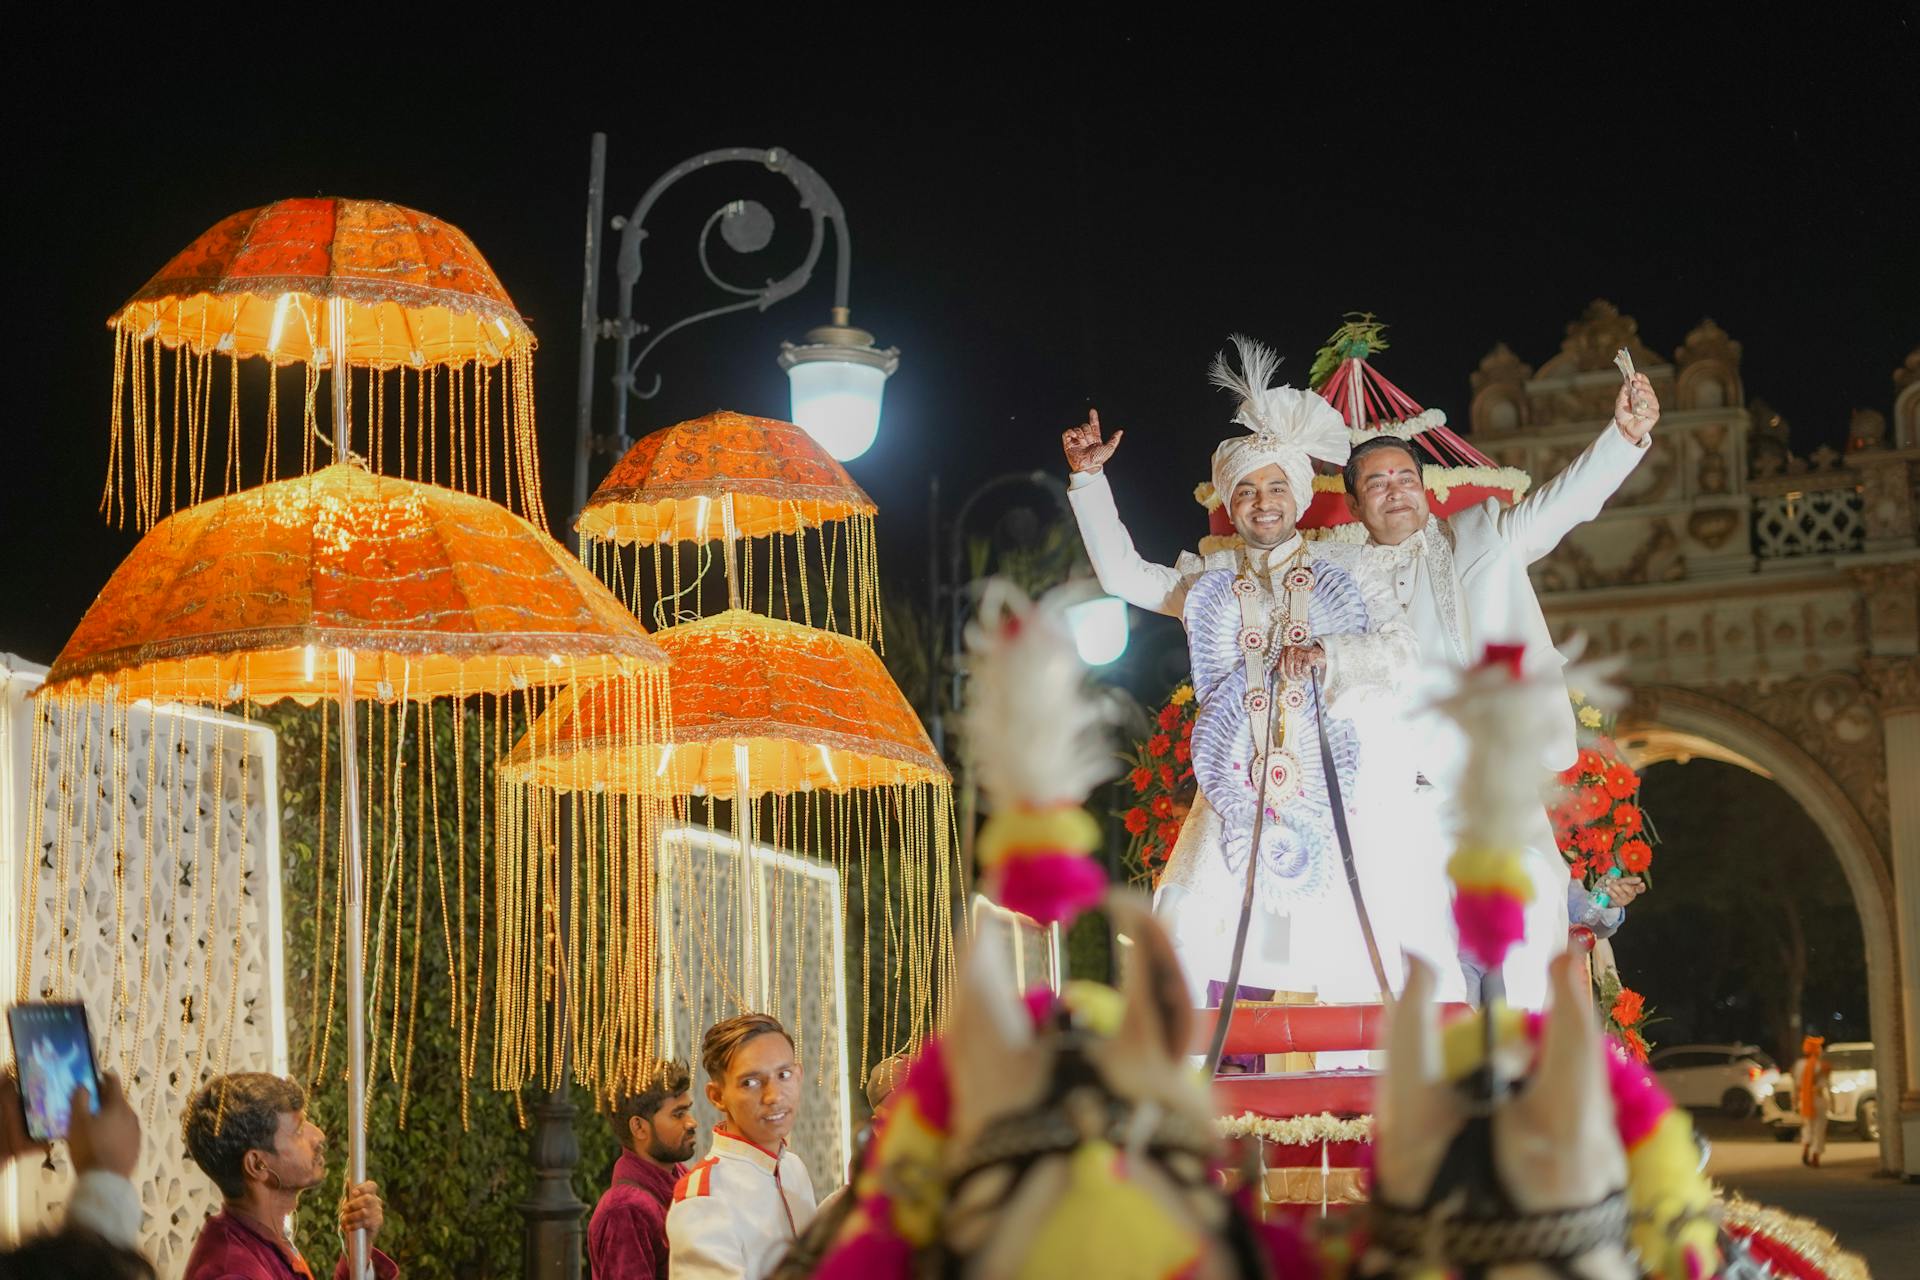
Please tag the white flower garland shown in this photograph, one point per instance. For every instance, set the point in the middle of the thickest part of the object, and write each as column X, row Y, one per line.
column 1297, row 1131
column 1405, row 429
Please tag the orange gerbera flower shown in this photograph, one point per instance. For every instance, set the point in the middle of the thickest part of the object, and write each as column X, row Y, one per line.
column 1635, row 856
column 1169, row 716
column 1136, row 820
column 1142, row 778
column 1163, row 806
column 1158, row 744
column 1620, row 781
column 1635, row 1044
column 1628, row 1007
column 1627, row 818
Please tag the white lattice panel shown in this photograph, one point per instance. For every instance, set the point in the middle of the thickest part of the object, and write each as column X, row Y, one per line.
column 1817, row 523
column 783, row 955
column 189, row 982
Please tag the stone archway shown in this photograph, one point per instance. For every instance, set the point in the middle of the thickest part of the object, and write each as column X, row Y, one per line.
column 1669, row 723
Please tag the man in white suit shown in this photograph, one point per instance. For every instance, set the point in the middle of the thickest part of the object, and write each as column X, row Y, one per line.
column 1461, row 583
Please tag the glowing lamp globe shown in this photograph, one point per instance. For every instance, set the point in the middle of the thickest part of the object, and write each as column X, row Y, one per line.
column 1099, row 629
column 839, row 379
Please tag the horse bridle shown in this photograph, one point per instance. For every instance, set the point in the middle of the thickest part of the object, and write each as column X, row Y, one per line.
column 1470, row 1222
column 1079, row 1106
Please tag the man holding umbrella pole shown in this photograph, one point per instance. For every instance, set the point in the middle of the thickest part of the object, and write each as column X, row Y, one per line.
column 249, row 1132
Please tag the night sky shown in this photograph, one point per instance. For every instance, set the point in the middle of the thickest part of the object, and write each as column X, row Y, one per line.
column 1082, row 222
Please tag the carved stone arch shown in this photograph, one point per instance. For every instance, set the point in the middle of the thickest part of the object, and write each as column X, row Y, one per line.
column 1498, row 409
column 1709, row 363
column 1499, row 392
column 1671, row 721
column 1709, row 384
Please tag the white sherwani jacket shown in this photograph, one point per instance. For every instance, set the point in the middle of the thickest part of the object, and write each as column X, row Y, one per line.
column 1199, row 899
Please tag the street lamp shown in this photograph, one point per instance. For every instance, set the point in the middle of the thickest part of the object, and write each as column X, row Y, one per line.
column 1099, row 629
column 838, row 376
column 839, row 379
column 1099, row 625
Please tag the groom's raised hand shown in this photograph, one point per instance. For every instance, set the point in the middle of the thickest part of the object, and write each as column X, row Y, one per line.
column 1085, row 450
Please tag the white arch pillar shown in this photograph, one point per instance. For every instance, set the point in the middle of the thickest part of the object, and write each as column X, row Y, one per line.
column 1683, row 715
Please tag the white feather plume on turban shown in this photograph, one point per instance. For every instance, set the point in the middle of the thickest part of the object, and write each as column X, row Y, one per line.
column 1288, row 427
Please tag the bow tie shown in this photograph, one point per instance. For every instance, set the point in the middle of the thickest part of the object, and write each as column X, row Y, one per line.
column 1413, row 547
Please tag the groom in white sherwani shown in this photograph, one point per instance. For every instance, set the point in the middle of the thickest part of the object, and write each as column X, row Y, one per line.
column 1461, row 583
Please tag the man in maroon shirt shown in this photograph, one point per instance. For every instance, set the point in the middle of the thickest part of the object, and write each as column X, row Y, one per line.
column 627, row 1238
column 249, row 1132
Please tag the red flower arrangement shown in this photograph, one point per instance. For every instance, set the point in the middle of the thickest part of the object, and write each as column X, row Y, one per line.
column 1597, row 819
column 1626, row 1015
column 1161, row 771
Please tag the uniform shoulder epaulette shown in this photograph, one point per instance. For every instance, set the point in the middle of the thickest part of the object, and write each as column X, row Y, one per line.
column 696, row 1181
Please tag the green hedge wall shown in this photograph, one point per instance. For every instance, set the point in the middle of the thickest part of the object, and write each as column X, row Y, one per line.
column 450, row 1190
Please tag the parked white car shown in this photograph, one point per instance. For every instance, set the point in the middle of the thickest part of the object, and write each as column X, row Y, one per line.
column 1735, row 1079
column 1855, row 1091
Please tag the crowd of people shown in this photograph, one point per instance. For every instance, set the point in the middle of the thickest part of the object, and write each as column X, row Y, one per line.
column 732, row 1214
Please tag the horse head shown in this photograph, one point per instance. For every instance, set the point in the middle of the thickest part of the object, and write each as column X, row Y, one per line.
column 1081, row 1137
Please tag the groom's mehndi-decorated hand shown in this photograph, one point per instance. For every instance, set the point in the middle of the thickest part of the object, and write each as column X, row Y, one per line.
column 1086, row 451
column 1636, row 409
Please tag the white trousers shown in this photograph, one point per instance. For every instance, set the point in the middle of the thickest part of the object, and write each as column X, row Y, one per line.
column 1816, row 1139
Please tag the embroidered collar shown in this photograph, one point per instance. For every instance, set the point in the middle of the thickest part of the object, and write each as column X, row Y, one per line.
column 1274, row 557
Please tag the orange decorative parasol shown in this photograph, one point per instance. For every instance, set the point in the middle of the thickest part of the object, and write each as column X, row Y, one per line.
column 294, row 282
column 811, row 709
column 737, row 479
column 345, row 585
column 831, row 760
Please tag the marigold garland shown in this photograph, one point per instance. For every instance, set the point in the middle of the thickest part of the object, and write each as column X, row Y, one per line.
column 1160, row 773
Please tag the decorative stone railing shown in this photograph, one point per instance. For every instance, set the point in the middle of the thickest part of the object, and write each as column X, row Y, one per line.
column 1862, row 502
column 1824, row 518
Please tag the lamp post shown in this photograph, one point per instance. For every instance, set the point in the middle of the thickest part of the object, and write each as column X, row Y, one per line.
column 838, row 378
column 1099, row 624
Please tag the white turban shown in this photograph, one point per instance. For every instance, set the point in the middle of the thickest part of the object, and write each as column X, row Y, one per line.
column 1288, row 428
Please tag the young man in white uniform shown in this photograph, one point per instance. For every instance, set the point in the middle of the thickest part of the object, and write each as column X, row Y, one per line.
column 1460, row 583
column 737, row 1212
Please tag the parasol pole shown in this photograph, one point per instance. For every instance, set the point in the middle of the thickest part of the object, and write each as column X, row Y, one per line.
column 357, row 1244
column 356, row 958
